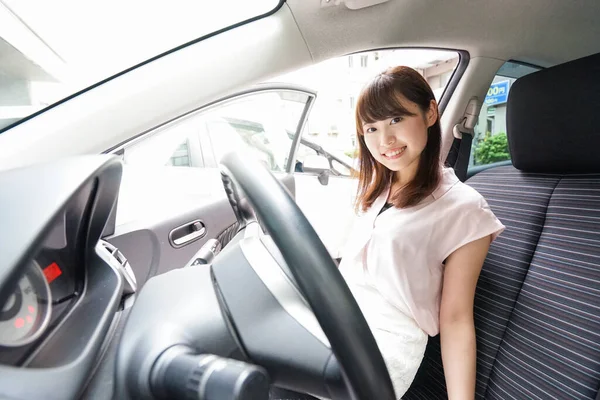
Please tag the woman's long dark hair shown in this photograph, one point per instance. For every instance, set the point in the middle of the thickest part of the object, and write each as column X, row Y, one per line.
column 378, row 101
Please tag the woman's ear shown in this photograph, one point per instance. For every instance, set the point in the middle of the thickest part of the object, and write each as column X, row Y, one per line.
column 432, row 113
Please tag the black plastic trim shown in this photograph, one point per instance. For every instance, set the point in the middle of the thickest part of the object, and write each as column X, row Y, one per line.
column 87, row 187
column 228, row 319
column 179, row 307
column 294, row 358
column 100, row 386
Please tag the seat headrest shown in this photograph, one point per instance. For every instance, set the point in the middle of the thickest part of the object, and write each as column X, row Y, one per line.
column 553, row 118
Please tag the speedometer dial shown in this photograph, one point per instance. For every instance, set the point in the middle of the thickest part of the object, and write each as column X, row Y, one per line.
column 26, row 313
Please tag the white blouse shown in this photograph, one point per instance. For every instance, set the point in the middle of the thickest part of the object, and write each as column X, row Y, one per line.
column 393, row 263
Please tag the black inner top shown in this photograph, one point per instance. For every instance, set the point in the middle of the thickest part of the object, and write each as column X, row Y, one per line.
column 385, row 207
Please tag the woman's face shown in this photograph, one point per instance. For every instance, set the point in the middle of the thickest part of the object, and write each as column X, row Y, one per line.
column 398, row 142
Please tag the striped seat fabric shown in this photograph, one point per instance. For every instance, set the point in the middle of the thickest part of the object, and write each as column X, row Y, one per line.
column 537, row 305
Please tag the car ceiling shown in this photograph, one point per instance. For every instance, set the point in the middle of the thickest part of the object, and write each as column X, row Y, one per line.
column 541, row 32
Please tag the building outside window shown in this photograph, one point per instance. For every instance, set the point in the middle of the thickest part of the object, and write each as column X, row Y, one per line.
column 364, row 61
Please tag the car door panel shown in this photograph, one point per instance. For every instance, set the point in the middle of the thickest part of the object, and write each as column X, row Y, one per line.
column 155, row 199
column 142, row 232
column 154, row 202
column 147, row 246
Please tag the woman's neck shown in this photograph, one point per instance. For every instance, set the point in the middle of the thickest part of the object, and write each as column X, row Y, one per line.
column 406, row 175
column 401, row 181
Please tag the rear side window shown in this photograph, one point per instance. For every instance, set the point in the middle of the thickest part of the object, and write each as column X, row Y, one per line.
column 490, row 143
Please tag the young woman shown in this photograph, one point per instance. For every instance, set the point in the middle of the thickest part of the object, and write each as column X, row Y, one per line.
column 420, row 236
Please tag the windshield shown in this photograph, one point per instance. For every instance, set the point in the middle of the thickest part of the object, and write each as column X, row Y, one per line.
column 50, row 50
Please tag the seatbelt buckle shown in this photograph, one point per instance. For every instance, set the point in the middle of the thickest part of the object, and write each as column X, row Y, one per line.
column 459, row 129
column 469, row 119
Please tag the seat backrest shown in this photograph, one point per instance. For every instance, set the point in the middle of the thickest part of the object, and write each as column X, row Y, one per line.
column 537, row 304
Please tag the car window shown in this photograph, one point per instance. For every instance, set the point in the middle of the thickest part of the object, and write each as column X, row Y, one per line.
column 58, row 48
column 174, row 145
column 490, row 144
column 261, row 125
column 338, row 83
column 181, row 156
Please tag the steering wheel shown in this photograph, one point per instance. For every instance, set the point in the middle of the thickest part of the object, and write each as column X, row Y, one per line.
column 247, row 183
column 269, row 309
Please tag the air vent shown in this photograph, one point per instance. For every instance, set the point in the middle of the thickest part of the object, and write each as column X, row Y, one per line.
column 130, row 283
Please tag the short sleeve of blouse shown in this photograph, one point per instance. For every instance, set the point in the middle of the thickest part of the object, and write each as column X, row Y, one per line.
column 475, row 221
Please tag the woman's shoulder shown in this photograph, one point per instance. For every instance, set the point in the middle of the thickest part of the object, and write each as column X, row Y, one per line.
column 464, row 215
column 457, row 192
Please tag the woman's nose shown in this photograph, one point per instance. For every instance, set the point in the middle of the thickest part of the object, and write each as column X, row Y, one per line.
column 387, row 140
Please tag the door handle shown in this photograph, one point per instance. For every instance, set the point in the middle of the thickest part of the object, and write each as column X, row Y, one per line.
column 187, row 233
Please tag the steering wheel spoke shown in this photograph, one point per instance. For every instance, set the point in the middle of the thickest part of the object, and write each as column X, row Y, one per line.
column 275, row 325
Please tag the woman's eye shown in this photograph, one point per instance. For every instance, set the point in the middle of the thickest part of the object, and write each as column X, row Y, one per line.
column 395, row 120
column 370, row 130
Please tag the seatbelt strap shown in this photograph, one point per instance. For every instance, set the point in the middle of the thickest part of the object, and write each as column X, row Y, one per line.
column 453, row 153
column 461, row 165
column 458, row 157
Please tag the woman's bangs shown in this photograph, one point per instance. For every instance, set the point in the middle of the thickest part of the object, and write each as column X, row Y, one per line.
column 379, row 101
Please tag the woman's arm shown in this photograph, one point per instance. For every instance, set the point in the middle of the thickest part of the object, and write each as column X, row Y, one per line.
column 457, row 329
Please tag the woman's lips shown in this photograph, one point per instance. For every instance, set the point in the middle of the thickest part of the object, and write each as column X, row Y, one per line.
column 394, row 154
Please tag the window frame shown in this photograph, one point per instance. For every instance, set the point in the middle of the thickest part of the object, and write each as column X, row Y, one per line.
column 204, row 137
column 364, row 60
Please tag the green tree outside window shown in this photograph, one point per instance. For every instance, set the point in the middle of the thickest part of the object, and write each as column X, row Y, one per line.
column 493, row 148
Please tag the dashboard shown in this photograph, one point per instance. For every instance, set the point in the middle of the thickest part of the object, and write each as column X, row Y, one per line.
column 62, row 289
column 49, row 287
column 73, row 326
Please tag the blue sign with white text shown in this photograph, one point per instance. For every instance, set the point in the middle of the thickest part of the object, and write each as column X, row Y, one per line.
column 497, row 93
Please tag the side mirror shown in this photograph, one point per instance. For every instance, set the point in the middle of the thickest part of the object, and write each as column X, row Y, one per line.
column 318, row 165
column 324, row 177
